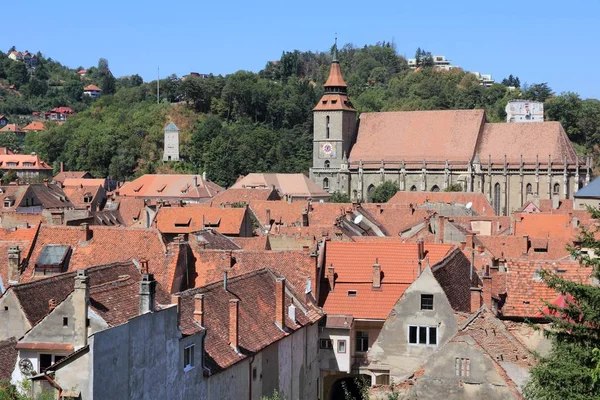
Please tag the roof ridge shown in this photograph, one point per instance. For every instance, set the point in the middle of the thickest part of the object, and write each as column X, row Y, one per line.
column 120, row 281
column 219, row 283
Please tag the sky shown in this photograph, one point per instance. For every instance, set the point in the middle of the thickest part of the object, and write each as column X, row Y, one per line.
column 538, row 41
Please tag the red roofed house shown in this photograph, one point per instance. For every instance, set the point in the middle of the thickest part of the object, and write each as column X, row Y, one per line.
column 63, row 175
column 35, row 126
column 291, row 187
column 510, row 163
column 363, row 282
column 92, row 90
column 175, row 188
column 28, row 168
column 14, row 128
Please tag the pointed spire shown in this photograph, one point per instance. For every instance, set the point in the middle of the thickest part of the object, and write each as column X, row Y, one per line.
column 335, row 51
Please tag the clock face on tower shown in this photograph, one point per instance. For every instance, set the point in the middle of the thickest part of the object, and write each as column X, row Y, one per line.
column 327, row 150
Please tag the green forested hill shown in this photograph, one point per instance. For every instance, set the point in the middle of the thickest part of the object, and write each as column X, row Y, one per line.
column 248, row 121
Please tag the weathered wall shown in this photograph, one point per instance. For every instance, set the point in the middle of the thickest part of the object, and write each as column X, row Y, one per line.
column 76, row 376
column 331, row 360
column 581, row 204
column 12, row 319
column 392, row 350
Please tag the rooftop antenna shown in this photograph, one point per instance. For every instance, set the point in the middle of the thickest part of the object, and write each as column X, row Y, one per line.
column 158, row 85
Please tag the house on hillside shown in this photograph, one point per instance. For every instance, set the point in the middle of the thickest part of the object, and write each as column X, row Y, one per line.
column 29, row 168
column 92, row 90
column 16, row 129
column 3, row 121
column 35, row 126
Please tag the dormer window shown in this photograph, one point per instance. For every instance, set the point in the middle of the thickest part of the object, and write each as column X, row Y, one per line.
column 28, row 164
column 9, row 203
column 11, row 164
column 87, row 198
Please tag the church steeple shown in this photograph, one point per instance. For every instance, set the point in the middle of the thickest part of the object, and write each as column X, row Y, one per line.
column 336, row 89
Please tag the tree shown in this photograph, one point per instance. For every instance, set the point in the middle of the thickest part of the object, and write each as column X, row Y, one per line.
column 108, row 83
column 36, row 87
column 103, row 65
column 539, row 92
column 384, row 192
column 571, row 369
column 454, row 187
column 338, row 197
column 73, row 90
column 17, row 74
column 512, row 81
column 10, row 141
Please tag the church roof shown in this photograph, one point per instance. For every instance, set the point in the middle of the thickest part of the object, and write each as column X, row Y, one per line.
column 418, row 135
column 531, row 140
column 330, row 102
column 335, row 76
column 171, row 127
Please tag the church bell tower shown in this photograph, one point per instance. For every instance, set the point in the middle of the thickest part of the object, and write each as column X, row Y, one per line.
column 334, row 132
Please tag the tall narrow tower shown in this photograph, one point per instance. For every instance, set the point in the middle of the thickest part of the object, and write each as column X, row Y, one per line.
column 334, row 132
column 171, row 152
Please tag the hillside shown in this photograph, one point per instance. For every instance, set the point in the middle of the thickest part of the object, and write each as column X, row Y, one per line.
column 247, row 121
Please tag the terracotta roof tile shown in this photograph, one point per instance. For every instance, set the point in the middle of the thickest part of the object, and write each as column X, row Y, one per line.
column 295, row 185
column 233, row 196
column 394, row 218
column 92, row 87
column 168, row 187
column 479, row 202
column 61, row 176
column 334, row 101
column 257, row 329
column 78, row 194
column 210, row 239
column 84, row 181
column 544, row 225
column 253, row 243
column 35, row 126
column 12, row 128
column 22, row 161
column 132, row 210
column 21, row 237
column 448, row 135
column 228, row 221
column 8, row 358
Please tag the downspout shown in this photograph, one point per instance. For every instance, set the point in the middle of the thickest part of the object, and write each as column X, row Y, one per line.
column 250, row 378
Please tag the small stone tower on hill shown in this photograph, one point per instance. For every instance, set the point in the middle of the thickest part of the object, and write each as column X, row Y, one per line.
column 171, row 152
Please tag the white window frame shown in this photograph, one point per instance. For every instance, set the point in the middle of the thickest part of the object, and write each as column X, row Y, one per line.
column 428, row 340
column 190, row 349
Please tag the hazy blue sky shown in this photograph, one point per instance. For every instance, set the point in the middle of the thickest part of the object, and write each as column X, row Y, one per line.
column 539, row 41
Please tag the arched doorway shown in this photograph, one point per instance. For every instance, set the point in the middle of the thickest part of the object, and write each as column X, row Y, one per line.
column 351, row 384
column 370, row 191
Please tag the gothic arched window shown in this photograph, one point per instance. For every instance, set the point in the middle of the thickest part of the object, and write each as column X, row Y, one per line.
column 413, row 188
column 497, row 198
column 326, row 183
column 435, row 188
column 327, row 127
column 327, row 164
column 370, row 191
column 556, row 191
column 529, row 189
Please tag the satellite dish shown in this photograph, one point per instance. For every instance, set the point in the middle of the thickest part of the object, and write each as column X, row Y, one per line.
column 358, row 219
column 469, row 205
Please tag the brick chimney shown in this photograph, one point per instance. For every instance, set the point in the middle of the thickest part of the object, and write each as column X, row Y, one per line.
column 199, row 309
column 487, row 287
column 147, row 293
column 51, row 305
column 280, row 303
column 470, row 241
column 441, row 229
column 87, row 233
column 268, row 216
column 62, row 166
column 376, row 274
column 234, row 305
column 14, row 261
column 81, row 299
column 475, row 298
column 176, row 299
column 305, row 216
column 331, row 277
column 144, row 267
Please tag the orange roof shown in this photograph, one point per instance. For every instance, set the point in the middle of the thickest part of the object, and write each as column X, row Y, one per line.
column 35, row 126
column 544, row 225
column 479, row 202
column 61, row 176
column 12, row 128
column 83, row 182
column 90, row 88
column 394, row 218
column 253, row 243
column 77, row 194
column 296, row 185
column 335, row 78
column 166, row 187
column 22, row 237
column 22, row 161
column 447, row 135
column 334, row 101
column 232, row 196
column 227, row 221
column 531, row 140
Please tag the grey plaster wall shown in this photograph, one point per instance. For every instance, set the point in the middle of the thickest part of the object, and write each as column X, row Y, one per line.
column 76, row 377
column 13, row 322
column 391, row 350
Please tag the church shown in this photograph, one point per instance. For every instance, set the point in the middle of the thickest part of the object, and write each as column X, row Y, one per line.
column 511, row 163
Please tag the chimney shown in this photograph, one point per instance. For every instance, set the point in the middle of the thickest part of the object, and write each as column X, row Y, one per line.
column 62, row 166
column 575, row 222
column 555, row 202
column 487, row 287
column 195, row 181
column 87, row 233
column 176, row 299
column 199, row 309
column 470, row 241
column 234, row 305
column 81, row 298
column 147, row 292
column 144, row 267
column 292, row 313
column 204, row 176
column 46, row 182
column 441, row 229
column 268, row 216
column 14, row 261
column 280, row 303
column 304, row 216
column 51, row 305
column 475, row 299
column 331, row 276
column 376, row 274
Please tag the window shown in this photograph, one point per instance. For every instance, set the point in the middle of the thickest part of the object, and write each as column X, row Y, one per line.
column 370, row 191
column 362, row 341
column 426, row 302
column 351, row 293
column 529, row 189
column 497, row 198
column 325, row 183
column 435, row 188
column 47, row 360
column 341, row 346
column 325, row 344
column 254, row 373
column 426, row 335
column 188, row 357
column 556, row 190
column 383, row 379
column 327, row 127
column 462, row 367
column 413, row 188
column 65, row 321
column 327, row 164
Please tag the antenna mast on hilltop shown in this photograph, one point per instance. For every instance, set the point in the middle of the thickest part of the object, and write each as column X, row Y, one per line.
column 158, row 85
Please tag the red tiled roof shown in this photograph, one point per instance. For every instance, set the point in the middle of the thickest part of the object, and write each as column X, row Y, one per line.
column 295, row 185
column 170, row 187
column 525, row 292
column 5, row 151
column 447, row 135
column 61, row 176
column 107, row 245
column 245, row 195
column 335, row 78
column 77, row 194
column 83, row 181
column 8, row 358
column 227, row 221
column 12, row 128
column 21, row 237
column 131, row 210
column 533, row 141
column 35, row 126
column 90, row 88
column 394, row 218
column 544, row 225
column 479, row 202
column 7, row 161
column 257, row 329
column 331, row 101
column 253, row 243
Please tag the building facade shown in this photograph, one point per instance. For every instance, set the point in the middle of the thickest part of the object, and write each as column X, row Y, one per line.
column 431, row 150
column 171, row 152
